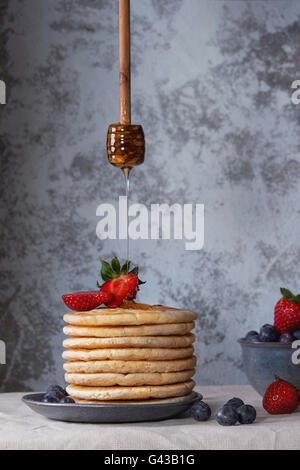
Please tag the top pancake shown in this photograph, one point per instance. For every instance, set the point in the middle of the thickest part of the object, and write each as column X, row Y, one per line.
column 130, row 314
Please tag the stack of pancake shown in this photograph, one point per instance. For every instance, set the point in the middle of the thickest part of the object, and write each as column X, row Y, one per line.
column 134, row 352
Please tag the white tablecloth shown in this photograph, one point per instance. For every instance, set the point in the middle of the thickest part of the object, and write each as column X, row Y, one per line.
column 21, row 428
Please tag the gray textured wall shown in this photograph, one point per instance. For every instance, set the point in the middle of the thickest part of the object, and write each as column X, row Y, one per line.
column 211, row 86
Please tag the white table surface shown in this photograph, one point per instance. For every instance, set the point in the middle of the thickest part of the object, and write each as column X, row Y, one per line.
column 21, row 428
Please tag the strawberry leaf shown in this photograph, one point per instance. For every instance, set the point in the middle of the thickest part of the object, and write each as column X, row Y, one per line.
column 289, row 296
column 134, row 271
column 286, row 293
column 98, row 285
column 125, row 267
column 106, row 271
column 115, row 264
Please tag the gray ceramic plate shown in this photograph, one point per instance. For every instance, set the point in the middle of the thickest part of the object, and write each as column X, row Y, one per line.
column 110, row 413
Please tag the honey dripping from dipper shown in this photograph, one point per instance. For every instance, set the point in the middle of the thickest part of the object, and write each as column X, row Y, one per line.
column 125, row 141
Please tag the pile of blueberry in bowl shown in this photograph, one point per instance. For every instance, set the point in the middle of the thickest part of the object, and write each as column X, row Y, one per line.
column 56, row 394
column 268, row 334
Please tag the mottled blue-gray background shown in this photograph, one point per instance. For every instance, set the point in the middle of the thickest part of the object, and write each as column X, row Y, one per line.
column 212, row 89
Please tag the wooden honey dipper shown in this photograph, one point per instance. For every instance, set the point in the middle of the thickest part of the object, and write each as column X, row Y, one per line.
column 125, row 141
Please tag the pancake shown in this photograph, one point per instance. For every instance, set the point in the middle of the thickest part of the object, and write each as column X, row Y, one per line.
column 128, row 354
column 136, row 402
column 133, row 380
column 156, row 314
column 130, row 393
column 142, row 330
column 128, row 367
column 131, row 342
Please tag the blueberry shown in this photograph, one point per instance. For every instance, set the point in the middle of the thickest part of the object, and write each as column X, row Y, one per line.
column 268, row 334
column 56, row 390
column 296, row 334
column 246, row 414
column 251, row 333
column 227, row 416
column 286, row 338
column 48, row 398
column 235, row 402
column 66, row 400
column 200, row 411
column 252, row 336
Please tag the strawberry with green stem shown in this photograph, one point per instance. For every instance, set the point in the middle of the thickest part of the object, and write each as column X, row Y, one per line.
column 281, row 397
column 287, row 312
column 119, row 281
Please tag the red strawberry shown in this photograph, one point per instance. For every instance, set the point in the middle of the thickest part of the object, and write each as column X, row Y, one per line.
column 83, row 301
column 281, row 398
column 123, row 285
column 287, row 312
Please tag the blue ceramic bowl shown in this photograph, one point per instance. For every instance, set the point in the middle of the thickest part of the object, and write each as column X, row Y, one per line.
column 262, row 361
